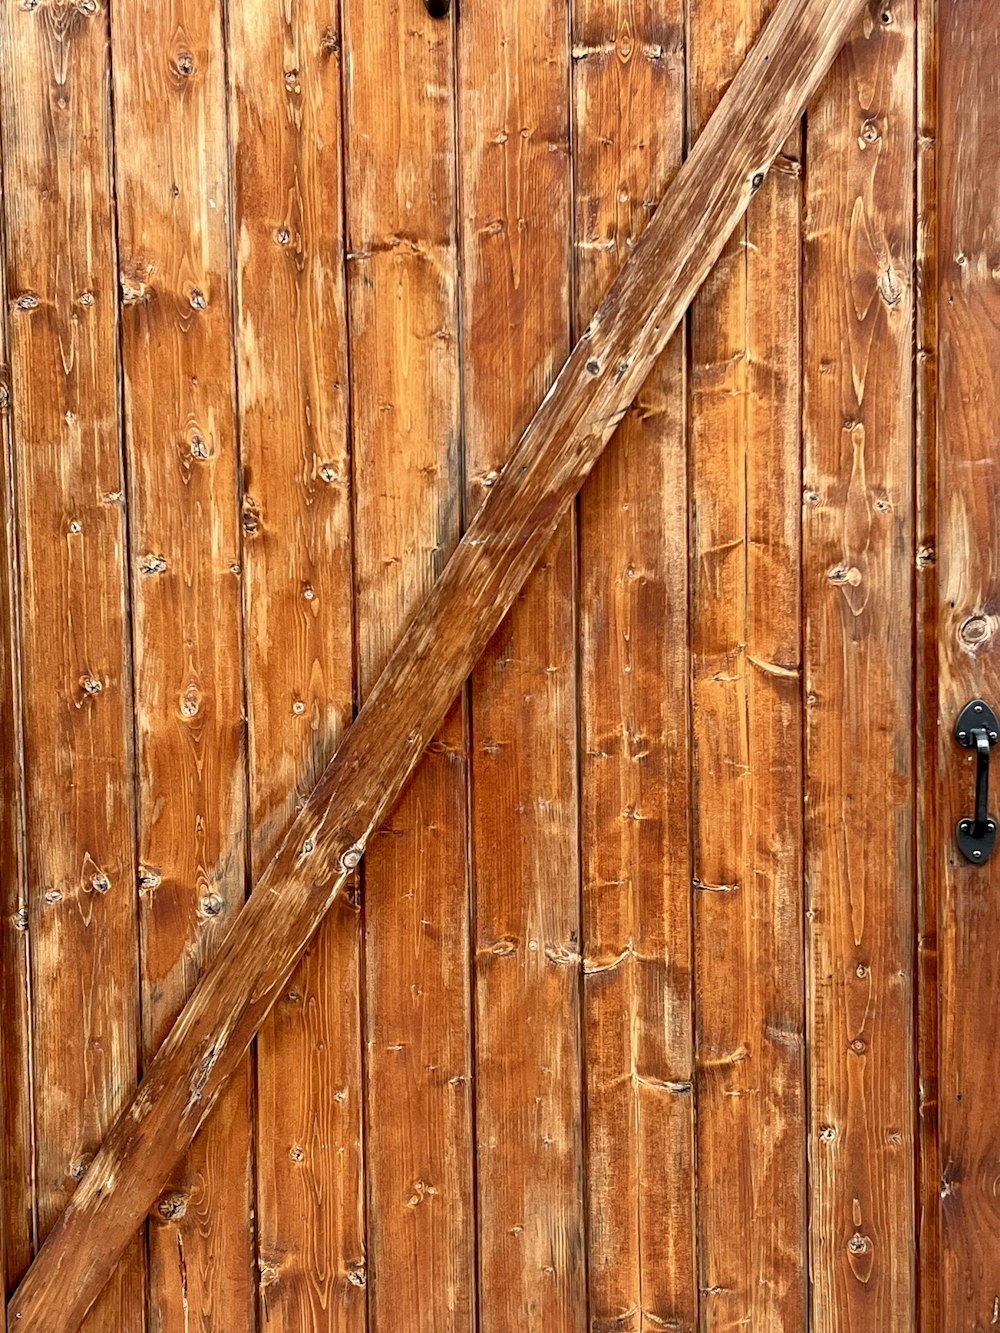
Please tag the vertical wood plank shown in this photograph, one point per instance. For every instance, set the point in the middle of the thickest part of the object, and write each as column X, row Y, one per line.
column 859, row 556
column 81, row 909
column 16, row 1198
column 926, row 673
column 969, row 584
column 628, row 138
column 516, row 191
column 403, row 307
column 285, row 70
column 177, row 346
column 747, row 733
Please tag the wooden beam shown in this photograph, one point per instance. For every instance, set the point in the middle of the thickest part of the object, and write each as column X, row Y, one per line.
column 326, row 841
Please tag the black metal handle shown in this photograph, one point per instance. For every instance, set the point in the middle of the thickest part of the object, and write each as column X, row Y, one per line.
column 978, row 728
column 438, row 9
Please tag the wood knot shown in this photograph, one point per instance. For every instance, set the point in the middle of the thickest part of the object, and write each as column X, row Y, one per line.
column 351, row 858
column 172, row 1206
column 251, row 516
column 974, row 632
column 78, row 1166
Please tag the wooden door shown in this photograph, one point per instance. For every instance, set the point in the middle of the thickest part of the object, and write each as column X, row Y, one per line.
column 666, row 998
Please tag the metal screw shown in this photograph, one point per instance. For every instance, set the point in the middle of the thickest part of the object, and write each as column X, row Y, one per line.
column 976, row 855
column 965, row 826
column 978, row 708
column 962, row 736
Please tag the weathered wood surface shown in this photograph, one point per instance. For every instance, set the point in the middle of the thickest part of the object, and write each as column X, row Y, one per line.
column 746, row 719
column 928, row 812
column 285, row 106
column 858, row 561
column 968, row 584
column 516, row 190
column 76, row 700
column 17, row 1198
column 178, row 364
column 628, row 140
column 412, row 697
column 403, row 299
column 16, row 1203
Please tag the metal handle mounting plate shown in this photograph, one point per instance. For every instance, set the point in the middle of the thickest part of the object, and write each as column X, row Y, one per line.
column 978, row 729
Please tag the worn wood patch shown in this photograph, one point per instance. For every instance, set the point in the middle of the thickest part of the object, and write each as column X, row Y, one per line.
column 661, row 998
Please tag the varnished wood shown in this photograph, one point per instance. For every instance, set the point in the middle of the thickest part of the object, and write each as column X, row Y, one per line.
column 403, row 299
column 744, row 430
column 285, row 72
column 413, row 694
column 628, row 139
column 858, row 561
column 80, row 907
column 968, row 582
column 516, row 192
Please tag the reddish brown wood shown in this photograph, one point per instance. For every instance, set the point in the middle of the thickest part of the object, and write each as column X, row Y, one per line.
column 80, row 905
column 968, row 660
column 628, row 138
column 516, row 193
column 859, row 563
column 16, row 1211
column 928, row 830
column 180, row 431
column 746, row 726
column 285, row 77
column 403, row 301
column 412, row 696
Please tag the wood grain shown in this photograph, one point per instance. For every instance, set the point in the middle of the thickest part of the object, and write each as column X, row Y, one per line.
column 285, row 72
column 178, row 362
column 403, row 300
column 412, row 696
column 969, row 578
column 74, row 649
column 628, row 139
column 926, row 673
column 746, row 733
column 859, row 557
column 16, row 1198
column 16, row 1202
column 516, row 201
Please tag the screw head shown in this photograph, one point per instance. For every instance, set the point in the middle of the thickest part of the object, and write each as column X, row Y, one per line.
column 963, row 735
column 994, row 736
column 991, row 825
column 977, row 855
column 964, row 826
column 978, row 708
